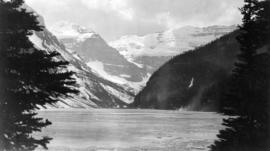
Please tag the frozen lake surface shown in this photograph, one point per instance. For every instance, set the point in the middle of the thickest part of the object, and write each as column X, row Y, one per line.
column 130, row 130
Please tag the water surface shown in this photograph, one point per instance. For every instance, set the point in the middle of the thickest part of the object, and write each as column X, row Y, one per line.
column 130, row 130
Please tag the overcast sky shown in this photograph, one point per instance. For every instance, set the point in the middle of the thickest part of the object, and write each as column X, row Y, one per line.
column 115, row 18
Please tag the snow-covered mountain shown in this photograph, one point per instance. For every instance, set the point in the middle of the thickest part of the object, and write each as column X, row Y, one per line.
column 94, row 90
column 155, row 49
column 109, row 75
column 130, row 60
column 99, row 56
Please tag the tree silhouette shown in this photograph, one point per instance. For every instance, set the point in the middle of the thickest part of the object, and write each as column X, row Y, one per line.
column 247, row 100
column 29, row 78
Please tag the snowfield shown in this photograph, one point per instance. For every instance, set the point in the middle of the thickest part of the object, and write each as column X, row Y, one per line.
column 130, row 130
column 168, row 43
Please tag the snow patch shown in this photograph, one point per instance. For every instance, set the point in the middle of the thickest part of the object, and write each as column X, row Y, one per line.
column 83, row 37
column 122, row 96
column 98, row 68
column 77, row 57
column 69, row 50
column 37, row 41
column 65, row 29
column 191, row 83
column 125, row 76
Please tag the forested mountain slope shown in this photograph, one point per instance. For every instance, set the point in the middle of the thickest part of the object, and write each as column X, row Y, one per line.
column 191, row 80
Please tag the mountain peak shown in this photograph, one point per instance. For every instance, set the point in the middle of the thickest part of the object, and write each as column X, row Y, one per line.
column 170, row 42
column 65, row 29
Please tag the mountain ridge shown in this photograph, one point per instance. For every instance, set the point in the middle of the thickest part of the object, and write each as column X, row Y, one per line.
column 101, row 57
column 94, row 91
column 153, row 50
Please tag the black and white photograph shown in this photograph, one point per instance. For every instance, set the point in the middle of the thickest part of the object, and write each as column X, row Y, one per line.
column 134, row 75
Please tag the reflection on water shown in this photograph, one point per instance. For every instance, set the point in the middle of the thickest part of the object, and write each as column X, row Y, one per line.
column 128, row 130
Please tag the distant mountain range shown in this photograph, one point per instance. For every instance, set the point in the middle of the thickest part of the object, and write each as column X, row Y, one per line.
column 153, row 50
column 132, row 59
column 110, row 74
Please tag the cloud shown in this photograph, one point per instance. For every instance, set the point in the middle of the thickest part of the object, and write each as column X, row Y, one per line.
column 115, row 18
column 190, row 12
column 49, row 5
column 118, row 6
column 167, row 20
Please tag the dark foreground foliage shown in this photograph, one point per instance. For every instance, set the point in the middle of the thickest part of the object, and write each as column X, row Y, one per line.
column 247, row 99
column 29, row 78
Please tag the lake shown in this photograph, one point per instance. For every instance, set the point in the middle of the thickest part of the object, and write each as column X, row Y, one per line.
column 130, row 130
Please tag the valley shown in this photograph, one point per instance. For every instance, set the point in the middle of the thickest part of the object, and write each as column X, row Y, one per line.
column 130, row 61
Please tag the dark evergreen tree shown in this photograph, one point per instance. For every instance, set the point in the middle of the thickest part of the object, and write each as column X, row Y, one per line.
column 29, row 78
column 247, row 100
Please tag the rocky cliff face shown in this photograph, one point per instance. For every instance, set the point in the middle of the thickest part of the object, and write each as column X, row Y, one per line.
column 95, row 91
column 99, row 56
